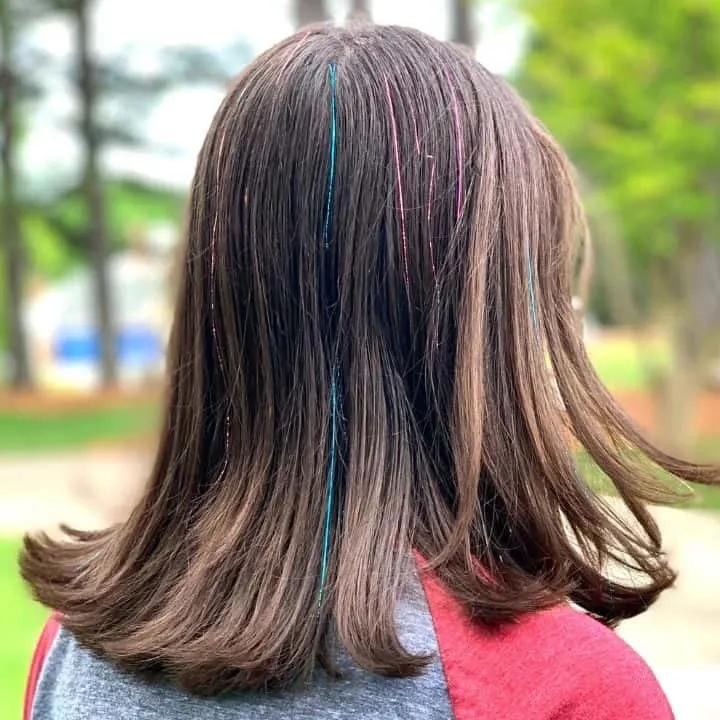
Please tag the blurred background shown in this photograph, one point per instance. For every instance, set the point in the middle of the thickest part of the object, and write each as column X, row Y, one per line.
column 104, row 106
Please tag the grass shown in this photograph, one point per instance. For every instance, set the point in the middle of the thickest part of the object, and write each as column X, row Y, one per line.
column 708, row 450
column 21, row 620
column 27, row 430
column 703, row 497
column 624, row 363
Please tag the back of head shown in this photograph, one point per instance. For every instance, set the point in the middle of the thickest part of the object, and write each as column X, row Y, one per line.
column 374, row 351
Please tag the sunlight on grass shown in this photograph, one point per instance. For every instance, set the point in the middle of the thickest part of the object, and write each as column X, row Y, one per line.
column 71, row 430
column 703, row 497
column 624, row 363
column 21, row 620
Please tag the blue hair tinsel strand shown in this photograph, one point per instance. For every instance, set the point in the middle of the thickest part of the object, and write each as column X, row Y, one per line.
column 331, row 172
column 334, row 399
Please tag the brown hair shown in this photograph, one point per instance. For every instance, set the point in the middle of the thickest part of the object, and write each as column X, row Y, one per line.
column 376, row 216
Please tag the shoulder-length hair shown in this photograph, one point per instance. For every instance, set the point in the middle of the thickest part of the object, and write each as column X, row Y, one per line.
column 374, row 351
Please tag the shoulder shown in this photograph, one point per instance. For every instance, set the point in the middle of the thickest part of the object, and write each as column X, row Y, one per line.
column 598, row 676
column 554, row 664
column 74, row 683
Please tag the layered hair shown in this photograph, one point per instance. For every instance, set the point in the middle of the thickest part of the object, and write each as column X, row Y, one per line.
column 374, row 352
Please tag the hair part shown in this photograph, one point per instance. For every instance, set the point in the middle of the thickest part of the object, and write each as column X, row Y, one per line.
column 429, row 350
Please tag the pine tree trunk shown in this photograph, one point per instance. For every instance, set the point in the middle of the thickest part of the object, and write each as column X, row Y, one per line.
column 94, row 191
column 360, row 9
column 309, row 11
column 463, row 22
column 691, row 345
column 11, row 231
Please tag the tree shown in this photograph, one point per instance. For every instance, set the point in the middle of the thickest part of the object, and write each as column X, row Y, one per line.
column 87, row 92
column 110, row 82
column 463, row 22
column 11, row 230
column 309, row 11
column 634, row 96
column 360, row 9
column 83, row 235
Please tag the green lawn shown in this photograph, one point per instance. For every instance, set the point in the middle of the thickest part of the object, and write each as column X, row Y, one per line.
column 623, row 363
column 39, row 431
column 702, row 497
column 20, row 623
column 706, row 498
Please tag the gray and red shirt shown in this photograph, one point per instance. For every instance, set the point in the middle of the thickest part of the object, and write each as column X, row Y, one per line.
column 553, row 665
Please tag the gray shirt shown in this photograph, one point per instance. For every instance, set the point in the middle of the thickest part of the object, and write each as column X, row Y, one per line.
column 75, row 684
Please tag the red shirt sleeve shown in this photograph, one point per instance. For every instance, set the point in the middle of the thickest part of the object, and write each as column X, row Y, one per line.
column 42, row 648
column 553, row 665
column 605, row 678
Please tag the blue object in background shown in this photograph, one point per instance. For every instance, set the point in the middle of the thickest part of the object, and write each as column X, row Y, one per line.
column 77, row 346
column 138, row 347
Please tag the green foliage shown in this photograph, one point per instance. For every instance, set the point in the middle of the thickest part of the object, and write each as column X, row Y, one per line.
column 55, row 233
column 632, row 90
column 131, row 203
column 47, row 254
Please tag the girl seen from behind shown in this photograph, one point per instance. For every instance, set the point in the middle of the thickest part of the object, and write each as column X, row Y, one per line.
column 366, row 499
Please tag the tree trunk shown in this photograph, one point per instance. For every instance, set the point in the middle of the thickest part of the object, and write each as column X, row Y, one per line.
column 309, row 11
column 11, row 231
column 463, row 22
column 692, row 344
column 94, row 191
column 680, row 394
column 360, row 9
